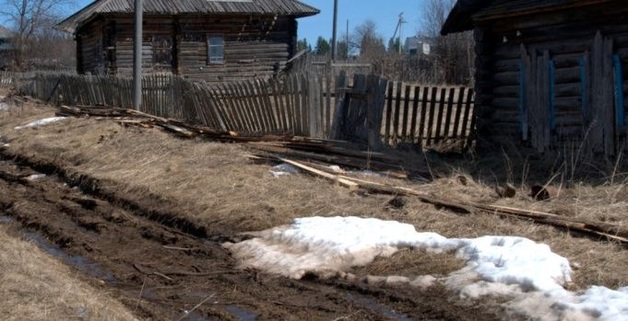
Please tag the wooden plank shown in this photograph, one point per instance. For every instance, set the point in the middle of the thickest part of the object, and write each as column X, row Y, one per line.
column 303, row 96
column 229, row 95
column 296, row 104
column 413, row 118
column 430, row 124
column 406, row 113
column 245, row 107
column 620, row 113
column 459, row 132
column 210, row 107
column 315, row 108
column 422, row 121
column 254, row 107
column 334, row 178
column 440, row 115
column 387, row 127
column 284, row 93
column 397, row 114
column 224, row 108
column 277, row 107
column 325, row 97
column 447, row 130
column 469, row 115
column 376, row 91
column 267, row 105
column 340, row 110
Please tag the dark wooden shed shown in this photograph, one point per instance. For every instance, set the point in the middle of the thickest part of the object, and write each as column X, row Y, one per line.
column 7, row 47
column 211, row 40
column 549, row 73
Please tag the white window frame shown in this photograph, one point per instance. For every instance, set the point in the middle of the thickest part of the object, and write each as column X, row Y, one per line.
column 215, row 42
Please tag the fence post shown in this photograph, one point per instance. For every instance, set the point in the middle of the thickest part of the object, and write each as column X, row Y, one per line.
column 339, row 113
column 314, row 106
column 376, row 95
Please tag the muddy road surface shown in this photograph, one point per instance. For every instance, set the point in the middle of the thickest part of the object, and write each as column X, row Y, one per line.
column 166, row 268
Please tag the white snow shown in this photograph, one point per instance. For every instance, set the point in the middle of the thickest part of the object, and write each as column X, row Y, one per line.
column 35, row 177
column 41, row 122
column 529, row 273
column 283, row 169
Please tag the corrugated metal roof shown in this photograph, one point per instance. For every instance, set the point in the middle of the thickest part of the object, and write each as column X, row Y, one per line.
column 177, row 7
column 466, row 11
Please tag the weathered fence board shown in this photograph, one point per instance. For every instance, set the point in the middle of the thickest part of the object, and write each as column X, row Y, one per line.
column 370, row 109
column 427, row 115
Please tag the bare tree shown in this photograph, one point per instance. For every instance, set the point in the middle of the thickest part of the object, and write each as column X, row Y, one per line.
column 453, row 54
column 367, row 41
column 29, row 19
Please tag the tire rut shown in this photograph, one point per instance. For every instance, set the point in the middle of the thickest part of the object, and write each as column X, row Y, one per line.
column 162, row 264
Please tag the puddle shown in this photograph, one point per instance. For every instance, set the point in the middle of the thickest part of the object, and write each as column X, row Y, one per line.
column 84, row 265
column 241, row 314
column 5, row 219
column 376, row 307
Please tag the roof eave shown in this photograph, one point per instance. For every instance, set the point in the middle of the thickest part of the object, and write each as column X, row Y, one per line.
column 459, row 19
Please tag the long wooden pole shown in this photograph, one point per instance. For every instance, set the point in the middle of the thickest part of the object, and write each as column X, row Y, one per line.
column 333, row 36
column 137, row 55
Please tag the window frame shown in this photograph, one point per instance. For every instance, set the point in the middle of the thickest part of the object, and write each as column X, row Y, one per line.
column 217, row 59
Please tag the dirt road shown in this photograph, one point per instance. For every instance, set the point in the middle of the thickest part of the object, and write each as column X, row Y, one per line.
column 162, row 266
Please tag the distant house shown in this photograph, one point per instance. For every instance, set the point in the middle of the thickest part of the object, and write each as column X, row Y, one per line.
column 6, row 47
column 417, row 45
column 549, row 73
column 212, row 40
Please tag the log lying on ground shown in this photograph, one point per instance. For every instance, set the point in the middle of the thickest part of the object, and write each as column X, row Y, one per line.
column 331, row 156
column 600, row 229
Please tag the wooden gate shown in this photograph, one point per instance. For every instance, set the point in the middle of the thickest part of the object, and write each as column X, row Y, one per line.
column 359, row 110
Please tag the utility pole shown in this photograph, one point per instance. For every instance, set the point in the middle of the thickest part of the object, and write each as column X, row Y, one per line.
column 333, row 37
column 399, row 30
column 137, row 55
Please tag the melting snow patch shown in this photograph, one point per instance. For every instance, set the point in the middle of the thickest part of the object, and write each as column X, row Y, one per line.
column 35, row 177
column 527, row 272
column 283, row 169
column 41, row 122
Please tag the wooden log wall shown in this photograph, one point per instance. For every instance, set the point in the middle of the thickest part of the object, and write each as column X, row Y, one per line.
column 90, row 51
column 505, row 87
column 252, row 48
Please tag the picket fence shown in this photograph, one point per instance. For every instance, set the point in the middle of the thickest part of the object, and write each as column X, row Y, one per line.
column 301, row 104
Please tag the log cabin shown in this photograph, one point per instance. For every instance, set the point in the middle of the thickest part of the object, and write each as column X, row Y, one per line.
column 549, row 74
column 7, row 47
column 208, row 40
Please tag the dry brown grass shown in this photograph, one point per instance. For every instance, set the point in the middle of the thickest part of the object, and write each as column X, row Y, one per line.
column 216, row 184
column 35, row 286
column 412, row 263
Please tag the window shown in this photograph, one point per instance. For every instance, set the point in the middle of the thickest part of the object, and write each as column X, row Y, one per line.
column 215, row 50
column 162, row 51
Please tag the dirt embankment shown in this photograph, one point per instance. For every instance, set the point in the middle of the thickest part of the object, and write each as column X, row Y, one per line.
column 164, row 265
column 145, row 214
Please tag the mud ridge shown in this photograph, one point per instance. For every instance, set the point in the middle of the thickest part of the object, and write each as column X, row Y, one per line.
column 95, row 187
column 162, row 265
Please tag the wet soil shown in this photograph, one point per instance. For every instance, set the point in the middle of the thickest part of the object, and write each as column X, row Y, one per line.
column 166, row 267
